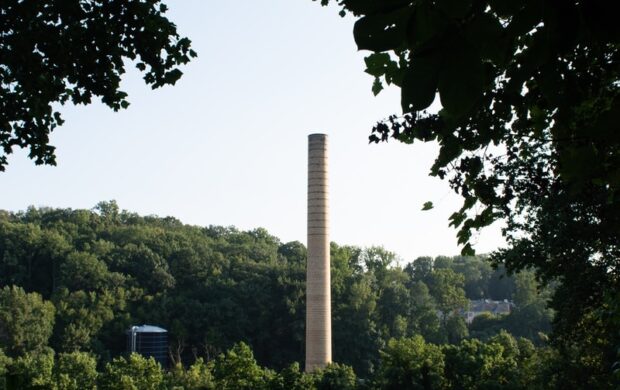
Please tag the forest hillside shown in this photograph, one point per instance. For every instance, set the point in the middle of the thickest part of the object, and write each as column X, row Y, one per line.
column 72, row 282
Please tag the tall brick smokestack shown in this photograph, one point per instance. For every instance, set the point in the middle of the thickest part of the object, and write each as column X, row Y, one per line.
column 318, row 281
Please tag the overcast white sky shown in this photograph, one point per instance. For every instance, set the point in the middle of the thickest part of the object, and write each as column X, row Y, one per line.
column 227, row 145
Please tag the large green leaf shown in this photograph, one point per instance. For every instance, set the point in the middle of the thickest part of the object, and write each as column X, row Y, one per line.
column 382, row 65
column 381, row 32
column 377, row 86
column 420, row 83
column 377, row 63
column 486, row 34
column 426, row 24
column 455, row 8
column 461, row 80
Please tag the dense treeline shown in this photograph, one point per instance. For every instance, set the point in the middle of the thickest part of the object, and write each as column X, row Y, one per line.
column 73, row 281
column 407, row 363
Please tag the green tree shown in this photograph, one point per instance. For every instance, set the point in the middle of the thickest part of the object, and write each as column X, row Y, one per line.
column 423, row 319
column 486, row 325
column 476, row 272
column 377, row 258
column 18, row 252
column 80, row 316
column 30, row 256
column 293, row 251
column 5, row 363
column 530, row 317
column 335, row 377
column 420, row 269
column 292, row 378
column 32, row 370
column 526, row 288
column 354, row 325
column 108, row 210
column 147, row 266
column 456, row 329
column 410, row 363
column 26, row 321
column 76, row 371
column 83, row 271
column 237, row 369
column 443, row 262
column 473, row 364
column 73, row 52
column 501, row 284
column 226, row 291
column 132, row 373
column 197, row 377
column 446, row 287
column 393, row 305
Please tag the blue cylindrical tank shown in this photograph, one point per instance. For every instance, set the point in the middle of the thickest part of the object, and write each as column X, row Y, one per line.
column 149, row 340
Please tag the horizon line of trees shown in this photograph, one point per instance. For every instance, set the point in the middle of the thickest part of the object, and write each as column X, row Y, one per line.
column 406, row 363
column 73, row 281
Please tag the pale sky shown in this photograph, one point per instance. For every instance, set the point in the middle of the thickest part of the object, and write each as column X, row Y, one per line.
column 227, row 145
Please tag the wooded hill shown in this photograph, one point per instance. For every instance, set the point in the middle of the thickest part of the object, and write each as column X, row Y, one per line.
column 76, row 280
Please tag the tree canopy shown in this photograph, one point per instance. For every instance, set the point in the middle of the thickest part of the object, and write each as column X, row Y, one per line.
column 73, row 281
column 529, row 95
column 538, row 79
column 73, row 51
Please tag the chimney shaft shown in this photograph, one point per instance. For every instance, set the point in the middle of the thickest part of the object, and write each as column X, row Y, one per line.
column 318, row 283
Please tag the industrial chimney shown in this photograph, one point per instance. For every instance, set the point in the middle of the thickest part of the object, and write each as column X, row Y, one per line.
column 318, row 283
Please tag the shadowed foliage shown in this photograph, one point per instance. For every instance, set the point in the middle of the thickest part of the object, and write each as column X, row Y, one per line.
column 73, row 51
